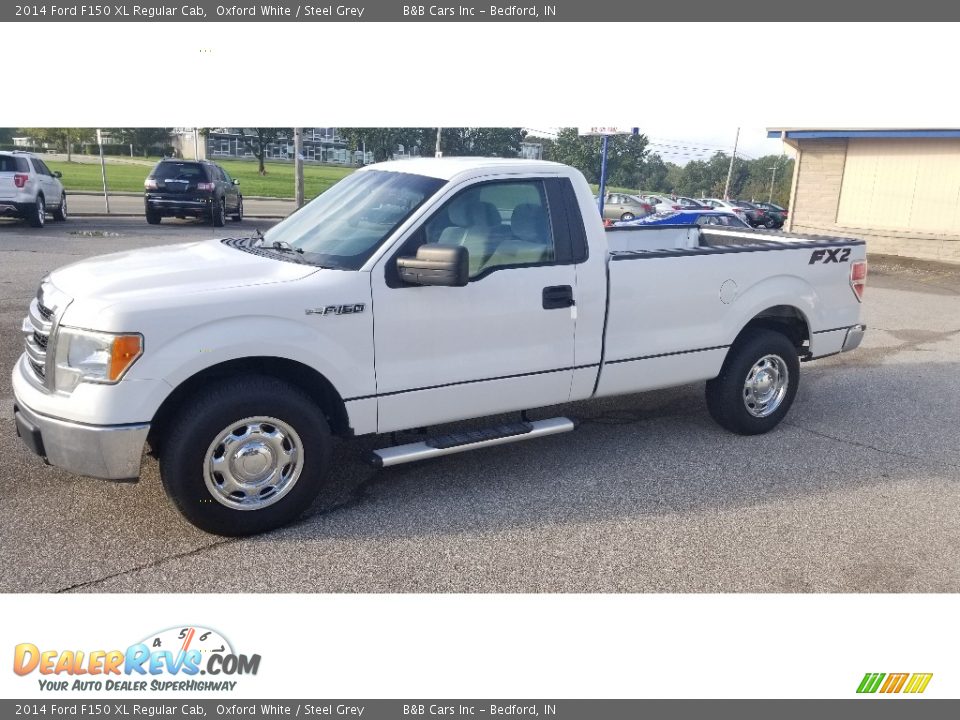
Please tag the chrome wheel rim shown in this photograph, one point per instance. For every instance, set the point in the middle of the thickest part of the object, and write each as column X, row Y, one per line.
column 41, row 211
column 766, row 386
column 63, row 207
column 240, row 210
column 223, row 211
column 253, row 463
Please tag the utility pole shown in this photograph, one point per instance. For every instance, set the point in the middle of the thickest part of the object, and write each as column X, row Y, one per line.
column 437, row 153
column 298, row 165
column 103, row 171
column 726, row 189
column 773, row 177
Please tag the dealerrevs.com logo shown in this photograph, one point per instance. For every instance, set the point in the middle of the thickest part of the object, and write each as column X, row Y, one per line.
column 172, row 659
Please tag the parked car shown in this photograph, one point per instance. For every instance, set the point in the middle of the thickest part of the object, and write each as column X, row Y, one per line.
column 689, row 217
column 776, row 215
column 411, row 294
column 756, row 215
column 189, row 188
column 29, row 190
column 728, row 206
column 619, row 206
column 670, row 203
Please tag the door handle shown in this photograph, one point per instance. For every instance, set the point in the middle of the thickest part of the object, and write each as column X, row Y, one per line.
column 558, row 296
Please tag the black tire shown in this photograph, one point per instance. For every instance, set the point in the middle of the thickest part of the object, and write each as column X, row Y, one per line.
column 38, row 213
column 60, row 213
column 153, row 217
column 627, row 216
column 206, row 416
column 727, row 398
column 238, row 215
column 219, row 213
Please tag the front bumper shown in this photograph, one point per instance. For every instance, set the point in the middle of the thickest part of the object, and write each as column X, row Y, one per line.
column 111, row 452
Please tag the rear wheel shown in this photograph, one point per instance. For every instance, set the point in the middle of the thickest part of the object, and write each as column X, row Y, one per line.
column 238, row 215
column 61, row 212
column 627, row 216
column 245, row 456
column 219, row 213
column 153, row 217
column 757, row 384
column 38, row 213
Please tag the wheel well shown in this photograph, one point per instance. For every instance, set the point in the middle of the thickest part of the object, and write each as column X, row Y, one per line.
column 301, row 376
column 784, row 319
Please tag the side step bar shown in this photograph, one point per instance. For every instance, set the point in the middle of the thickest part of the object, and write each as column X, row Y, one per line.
column 474, row 440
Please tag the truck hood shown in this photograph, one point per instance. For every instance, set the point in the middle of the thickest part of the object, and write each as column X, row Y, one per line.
column 183, row 269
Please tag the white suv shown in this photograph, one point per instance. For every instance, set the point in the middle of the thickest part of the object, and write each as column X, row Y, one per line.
column 29, row 190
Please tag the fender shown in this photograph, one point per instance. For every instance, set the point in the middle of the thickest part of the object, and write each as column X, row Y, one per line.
column 348, row 366
column 789, row 290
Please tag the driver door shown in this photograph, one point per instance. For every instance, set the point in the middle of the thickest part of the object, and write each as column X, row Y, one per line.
column 503, row 342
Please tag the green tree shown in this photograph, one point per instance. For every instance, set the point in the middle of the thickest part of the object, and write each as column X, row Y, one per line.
column 653, row 174
column 256, row 141
column 625, row 156
column 61, row 139
column 143, row 139
column 384, row 142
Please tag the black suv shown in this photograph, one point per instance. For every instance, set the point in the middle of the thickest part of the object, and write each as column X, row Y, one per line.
column 182, row 188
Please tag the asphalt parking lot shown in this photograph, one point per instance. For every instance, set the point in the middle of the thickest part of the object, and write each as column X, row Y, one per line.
column 856, row 492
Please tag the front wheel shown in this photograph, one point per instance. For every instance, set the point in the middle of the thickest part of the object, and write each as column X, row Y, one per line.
column 238, row 215
column 246, row 455
column 756, row 385
column 627, row 216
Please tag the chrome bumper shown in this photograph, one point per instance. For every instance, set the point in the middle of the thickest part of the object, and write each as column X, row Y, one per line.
column 854, row 338
column 111, row 452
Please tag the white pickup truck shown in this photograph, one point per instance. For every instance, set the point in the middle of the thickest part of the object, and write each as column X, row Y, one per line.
column 412, row 293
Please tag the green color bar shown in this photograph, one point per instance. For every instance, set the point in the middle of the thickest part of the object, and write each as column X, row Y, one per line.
column 871, row 682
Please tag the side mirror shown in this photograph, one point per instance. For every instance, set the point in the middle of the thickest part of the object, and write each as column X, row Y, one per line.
column 57, row 174
column 447, row 265
column 236, row 182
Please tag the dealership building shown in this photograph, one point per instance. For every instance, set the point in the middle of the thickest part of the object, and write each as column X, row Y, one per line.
column 898, row 189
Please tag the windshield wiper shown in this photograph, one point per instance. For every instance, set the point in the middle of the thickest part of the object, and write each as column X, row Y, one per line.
column 279, row 245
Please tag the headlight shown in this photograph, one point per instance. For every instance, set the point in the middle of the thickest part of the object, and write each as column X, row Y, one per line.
column 87, row 356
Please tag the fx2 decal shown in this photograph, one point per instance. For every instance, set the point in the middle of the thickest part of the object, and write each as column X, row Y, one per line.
column 830, row 255
column 350, row 309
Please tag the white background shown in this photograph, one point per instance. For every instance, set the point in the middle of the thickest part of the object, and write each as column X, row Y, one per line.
column 550, row 75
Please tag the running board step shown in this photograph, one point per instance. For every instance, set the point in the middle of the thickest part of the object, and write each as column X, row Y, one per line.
column 473, row 440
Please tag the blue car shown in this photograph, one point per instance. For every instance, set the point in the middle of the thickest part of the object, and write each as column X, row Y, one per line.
column 688, row 217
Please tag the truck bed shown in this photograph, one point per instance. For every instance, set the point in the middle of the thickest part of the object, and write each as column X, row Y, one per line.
column 672, row 321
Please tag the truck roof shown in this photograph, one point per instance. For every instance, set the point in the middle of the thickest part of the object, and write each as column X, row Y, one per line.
column 449, row 167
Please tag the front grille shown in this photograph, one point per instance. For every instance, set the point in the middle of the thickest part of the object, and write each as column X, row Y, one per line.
column 37, row 327
column 45, row 312
column 39, row 370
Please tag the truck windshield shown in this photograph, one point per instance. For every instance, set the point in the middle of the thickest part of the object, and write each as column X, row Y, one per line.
column 345, row 225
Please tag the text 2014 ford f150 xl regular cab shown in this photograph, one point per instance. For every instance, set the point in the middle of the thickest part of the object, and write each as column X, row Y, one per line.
column 412, row 293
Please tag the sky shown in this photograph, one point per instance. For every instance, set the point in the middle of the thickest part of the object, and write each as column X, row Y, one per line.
column 680, row 145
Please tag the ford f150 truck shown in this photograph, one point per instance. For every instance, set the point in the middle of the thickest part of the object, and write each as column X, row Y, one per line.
column 411, row 294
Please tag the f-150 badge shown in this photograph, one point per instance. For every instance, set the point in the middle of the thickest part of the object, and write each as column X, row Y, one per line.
column 350, row 309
